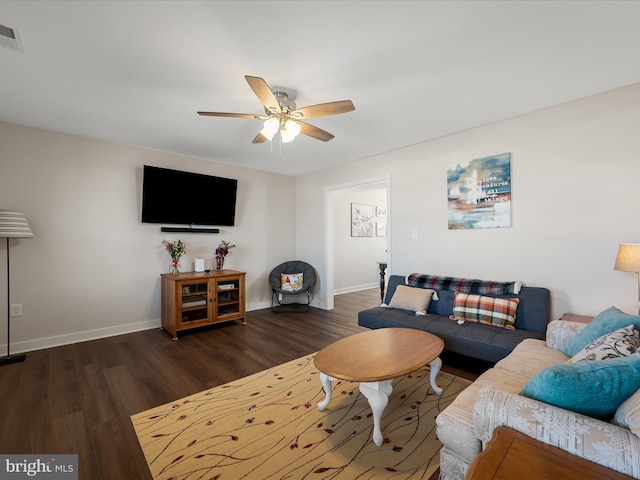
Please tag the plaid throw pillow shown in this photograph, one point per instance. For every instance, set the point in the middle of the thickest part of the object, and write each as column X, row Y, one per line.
column 499, row 312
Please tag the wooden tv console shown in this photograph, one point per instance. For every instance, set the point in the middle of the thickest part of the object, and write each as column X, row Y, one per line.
column 197, row 299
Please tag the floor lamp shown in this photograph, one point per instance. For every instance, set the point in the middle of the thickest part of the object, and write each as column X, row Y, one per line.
column 628, row 260
column 13, row 224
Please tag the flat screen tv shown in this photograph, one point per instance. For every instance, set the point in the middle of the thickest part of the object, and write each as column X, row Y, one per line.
column 184, row 198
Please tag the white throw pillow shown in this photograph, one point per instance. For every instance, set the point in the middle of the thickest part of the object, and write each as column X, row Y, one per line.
column 414, row 299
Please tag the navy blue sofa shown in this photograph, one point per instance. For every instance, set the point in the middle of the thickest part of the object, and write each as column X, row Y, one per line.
column 476, row 340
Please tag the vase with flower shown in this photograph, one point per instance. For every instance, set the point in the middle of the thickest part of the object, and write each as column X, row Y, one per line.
column 176, row 249
column 222, row 251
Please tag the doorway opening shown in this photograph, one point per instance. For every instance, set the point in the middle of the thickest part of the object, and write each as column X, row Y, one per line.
column 351, row 262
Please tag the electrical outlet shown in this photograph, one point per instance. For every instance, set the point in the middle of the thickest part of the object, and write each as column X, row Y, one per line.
column 16, row 310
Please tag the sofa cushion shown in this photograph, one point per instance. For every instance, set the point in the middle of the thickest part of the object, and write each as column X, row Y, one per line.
column 413, row 299
column 591, row 388
column 628, row 414
column 530, row 357
column 606, row 321
column 499, row 312
column 470, row 339
column 619, row 343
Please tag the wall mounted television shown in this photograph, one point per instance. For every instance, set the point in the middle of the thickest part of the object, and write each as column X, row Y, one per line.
column 185, row 198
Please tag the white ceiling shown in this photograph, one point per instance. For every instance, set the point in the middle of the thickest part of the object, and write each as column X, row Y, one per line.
column 136, row 72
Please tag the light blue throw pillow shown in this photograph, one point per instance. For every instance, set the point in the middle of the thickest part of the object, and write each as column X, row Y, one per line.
column 605, row 322
column 594, row 388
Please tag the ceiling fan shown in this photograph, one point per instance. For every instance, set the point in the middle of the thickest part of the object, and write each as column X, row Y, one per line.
column 283, row 116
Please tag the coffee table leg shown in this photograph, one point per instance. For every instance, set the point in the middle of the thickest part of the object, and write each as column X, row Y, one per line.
column 435, row 369
column 378, row 395
column 326, row 386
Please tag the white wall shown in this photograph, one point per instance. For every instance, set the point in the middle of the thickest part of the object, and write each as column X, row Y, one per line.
column 355, row 258
column 92, row 269
column 575, row 197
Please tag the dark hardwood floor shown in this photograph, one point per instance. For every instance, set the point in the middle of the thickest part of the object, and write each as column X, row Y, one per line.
column 78, row 398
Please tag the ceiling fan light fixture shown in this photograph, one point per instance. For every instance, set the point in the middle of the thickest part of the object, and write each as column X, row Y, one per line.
column 271, row 126
column 281, row 114
column 289, row 131
column 292, row 127
column 266, row 134
column 286, row 136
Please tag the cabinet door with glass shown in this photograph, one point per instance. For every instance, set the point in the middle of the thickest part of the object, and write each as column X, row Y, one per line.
column 230, row 303
column 187, row 302
column 194, row 299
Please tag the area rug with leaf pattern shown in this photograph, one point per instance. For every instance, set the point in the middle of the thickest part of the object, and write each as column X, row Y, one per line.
column 268, row 426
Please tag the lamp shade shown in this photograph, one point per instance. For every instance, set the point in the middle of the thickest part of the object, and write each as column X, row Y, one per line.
column 628, row 258
column 13, row 224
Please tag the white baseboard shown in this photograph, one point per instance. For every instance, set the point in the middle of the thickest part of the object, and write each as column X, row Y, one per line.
column 77, row 337
column 357, row 288
column 59, row 340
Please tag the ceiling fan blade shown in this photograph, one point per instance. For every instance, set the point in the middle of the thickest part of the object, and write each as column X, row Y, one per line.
column 264, row 93
column 259, row 138
column 315, row 132
column 324, row 109
column 233, row 115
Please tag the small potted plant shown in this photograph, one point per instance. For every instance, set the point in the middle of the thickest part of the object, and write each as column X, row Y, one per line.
column 176, row 249
column 221, row 252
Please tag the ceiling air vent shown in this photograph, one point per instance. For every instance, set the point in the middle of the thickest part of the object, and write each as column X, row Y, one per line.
column 11, row 38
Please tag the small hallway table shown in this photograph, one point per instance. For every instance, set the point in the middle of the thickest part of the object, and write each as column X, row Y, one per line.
column 374, row 358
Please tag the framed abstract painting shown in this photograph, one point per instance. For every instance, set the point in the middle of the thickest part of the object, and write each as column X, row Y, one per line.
column 479, row 193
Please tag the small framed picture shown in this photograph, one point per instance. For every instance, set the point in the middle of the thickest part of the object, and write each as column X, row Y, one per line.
column 361, row 220
column 381, row 212
column 381, row 228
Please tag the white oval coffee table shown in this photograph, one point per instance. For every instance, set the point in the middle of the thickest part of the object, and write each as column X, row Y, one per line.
column 374, row 358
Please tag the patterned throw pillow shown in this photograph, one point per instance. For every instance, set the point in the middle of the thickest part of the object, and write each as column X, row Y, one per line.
column 499, row 312
column 413, row 299
column 606, row 321
column 291, row 282
column 619, row 343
